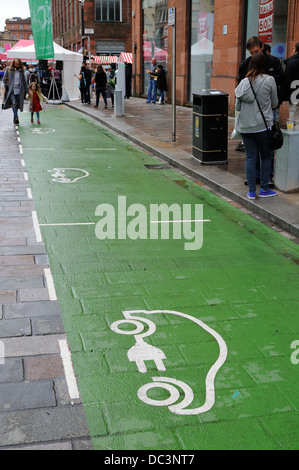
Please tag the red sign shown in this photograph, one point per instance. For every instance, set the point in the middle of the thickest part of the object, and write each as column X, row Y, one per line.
column 266, row 11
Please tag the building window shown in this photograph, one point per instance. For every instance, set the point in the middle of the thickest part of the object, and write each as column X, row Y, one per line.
column 155, row 35
column 108, row 10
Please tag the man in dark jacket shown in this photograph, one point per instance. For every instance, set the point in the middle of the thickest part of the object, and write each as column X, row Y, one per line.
column 274, row 68
column 290, row 91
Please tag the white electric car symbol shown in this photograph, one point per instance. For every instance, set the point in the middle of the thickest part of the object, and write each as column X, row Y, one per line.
column 142, row 352
column 67, row 175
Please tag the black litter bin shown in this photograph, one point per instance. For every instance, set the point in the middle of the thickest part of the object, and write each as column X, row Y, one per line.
column 210, row 110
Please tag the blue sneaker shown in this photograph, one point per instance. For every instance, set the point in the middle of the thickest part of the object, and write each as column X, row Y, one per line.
column 268, row 193
column 251, row 195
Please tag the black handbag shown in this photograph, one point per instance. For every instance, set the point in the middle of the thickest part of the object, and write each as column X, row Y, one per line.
column 276, row 137
column 275, row 134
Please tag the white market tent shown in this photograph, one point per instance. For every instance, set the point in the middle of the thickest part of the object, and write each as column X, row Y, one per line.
column 72, row 62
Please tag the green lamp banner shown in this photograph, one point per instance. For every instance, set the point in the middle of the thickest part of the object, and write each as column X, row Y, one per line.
column 41, row 22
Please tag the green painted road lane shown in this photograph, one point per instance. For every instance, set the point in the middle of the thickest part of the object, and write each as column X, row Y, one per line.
column 172, row 348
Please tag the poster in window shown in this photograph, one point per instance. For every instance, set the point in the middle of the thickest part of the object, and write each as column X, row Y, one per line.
column 266, row 11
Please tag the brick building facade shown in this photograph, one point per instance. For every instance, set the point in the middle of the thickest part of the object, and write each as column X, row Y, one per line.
column 211, row 40
column 109, row 28
column 21, row 28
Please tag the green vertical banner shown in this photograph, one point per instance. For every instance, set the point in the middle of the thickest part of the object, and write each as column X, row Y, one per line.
column 41, row 22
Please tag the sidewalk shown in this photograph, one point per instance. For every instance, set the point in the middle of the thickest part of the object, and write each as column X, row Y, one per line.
column 35, row 406
column 150, row 126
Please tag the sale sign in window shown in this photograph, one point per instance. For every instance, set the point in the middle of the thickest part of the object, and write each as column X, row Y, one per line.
column 266, row 10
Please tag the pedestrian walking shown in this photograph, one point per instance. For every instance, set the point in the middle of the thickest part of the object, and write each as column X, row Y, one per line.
column 100, row 82
column 35, row 97
column 257, row 89
column 288, row 90
column 161, row 82
column 82, row 84
column 152, row 83
column 16, row 88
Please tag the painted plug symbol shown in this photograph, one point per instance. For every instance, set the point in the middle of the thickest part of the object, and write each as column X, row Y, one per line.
column 142, row 352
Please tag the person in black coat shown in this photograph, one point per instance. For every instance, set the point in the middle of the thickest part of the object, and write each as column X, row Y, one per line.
column 100, row 82
column 161, row 82
column 290, row 91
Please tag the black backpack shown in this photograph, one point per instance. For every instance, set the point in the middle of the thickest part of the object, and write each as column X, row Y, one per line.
column 32, row 78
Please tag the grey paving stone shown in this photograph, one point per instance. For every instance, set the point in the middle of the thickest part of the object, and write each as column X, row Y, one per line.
column 34, row 295
column 36, row 426
column 31, row 309
column 47, row 325
column 21, row 282
column 16, row 260
column 12, row 370
column 13, row 328
column 32, row 345
column 52, row 446
column 22, row 250
column 27, row 395
column 8, row 296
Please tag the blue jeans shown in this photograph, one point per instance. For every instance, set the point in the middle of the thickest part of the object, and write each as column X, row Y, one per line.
column 258, row 169
column 162, row 96
column 100, row 91
column 15, row 100
column 152, row 89
column 257, row 145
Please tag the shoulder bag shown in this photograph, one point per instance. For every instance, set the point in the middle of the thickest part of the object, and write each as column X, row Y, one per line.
column 275, row 134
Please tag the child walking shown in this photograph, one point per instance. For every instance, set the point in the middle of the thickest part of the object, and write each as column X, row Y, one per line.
column 35, row 96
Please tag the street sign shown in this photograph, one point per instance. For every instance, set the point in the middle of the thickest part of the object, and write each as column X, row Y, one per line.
column 89, row 31
column 171, row 16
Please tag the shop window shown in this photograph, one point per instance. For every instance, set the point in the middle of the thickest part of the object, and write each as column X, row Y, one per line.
column 155, row 35
column 267, row 19
column 202, row 36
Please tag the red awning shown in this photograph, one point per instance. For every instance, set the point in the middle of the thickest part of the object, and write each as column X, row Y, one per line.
column 105, row 59
column 126, row 57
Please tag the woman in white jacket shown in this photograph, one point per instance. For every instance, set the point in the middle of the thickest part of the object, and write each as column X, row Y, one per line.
column 251, row 124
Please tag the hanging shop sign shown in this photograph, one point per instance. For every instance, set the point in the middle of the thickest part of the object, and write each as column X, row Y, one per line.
column 265, row 20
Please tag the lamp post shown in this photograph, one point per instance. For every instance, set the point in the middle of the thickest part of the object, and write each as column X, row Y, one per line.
column 82, row 24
